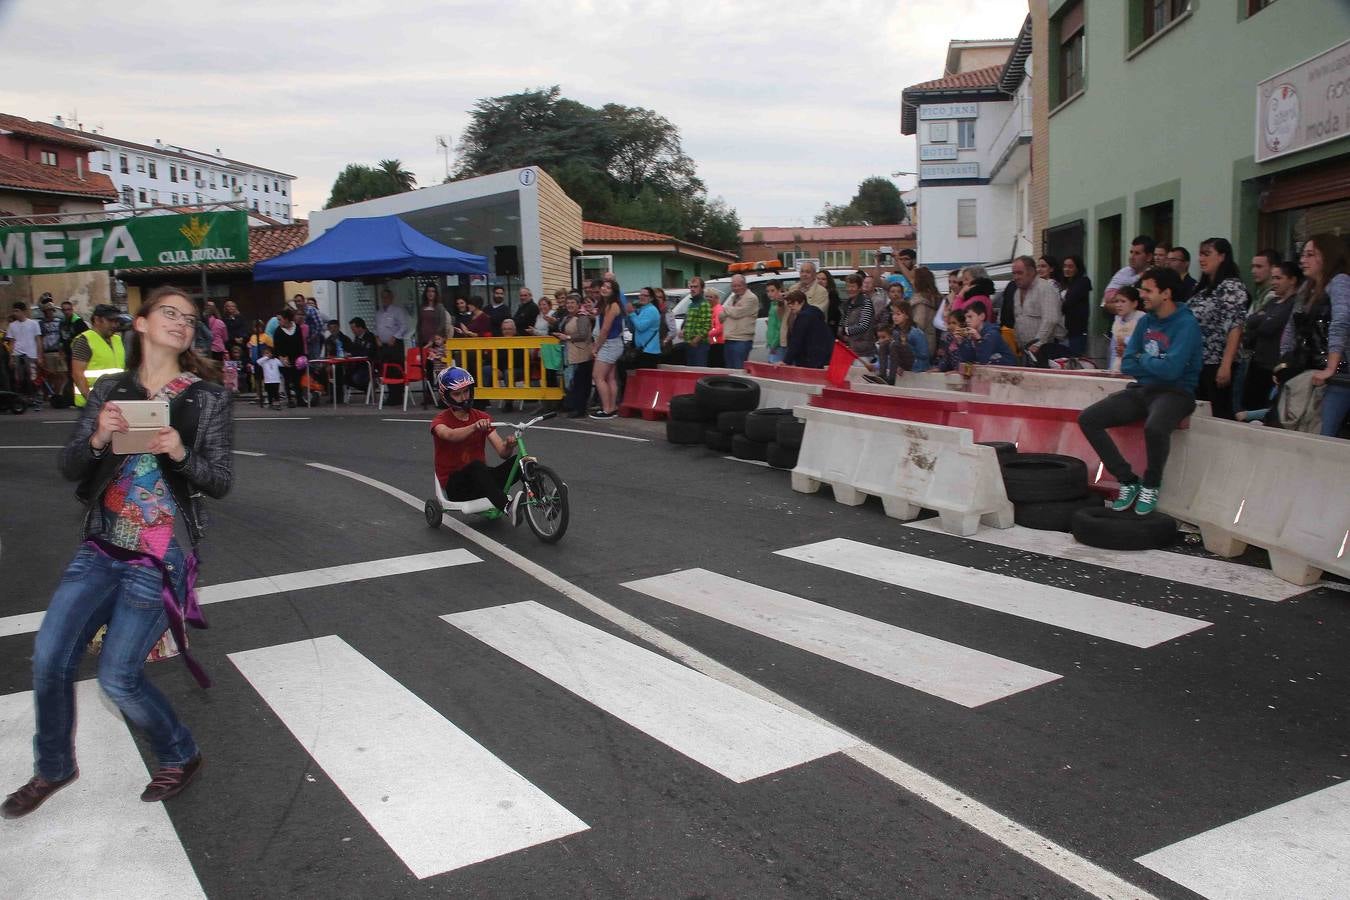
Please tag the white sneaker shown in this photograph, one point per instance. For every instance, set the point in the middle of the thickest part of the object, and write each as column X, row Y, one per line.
column 514, row 507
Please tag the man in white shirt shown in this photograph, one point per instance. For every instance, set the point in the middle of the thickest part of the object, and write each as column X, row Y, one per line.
column 393, row 326
column 1141, row 257
column 22, row 335
column 1038, row 318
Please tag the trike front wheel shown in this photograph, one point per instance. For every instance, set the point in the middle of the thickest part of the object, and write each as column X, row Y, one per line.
column 545, row 503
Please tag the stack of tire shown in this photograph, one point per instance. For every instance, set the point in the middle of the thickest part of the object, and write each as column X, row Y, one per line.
column 1049, row 492
column 721, row 415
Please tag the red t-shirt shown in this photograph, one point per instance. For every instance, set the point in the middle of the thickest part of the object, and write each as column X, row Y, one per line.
column 451, row 456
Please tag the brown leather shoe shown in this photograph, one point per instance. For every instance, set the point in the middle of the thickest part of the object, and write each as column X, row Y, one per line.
column 32, row 795
column 171, row 780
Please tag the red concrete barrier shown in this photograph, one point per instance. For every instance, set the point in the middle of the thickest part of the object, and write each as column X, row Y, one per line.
column 1034, row 429
column 647, row 392
column 798, row 374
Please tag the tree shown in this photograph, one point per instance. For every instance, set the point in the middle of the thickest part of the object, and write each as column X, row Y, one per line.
column 360, row 182
column 397, row 175
column 624, row 165
column 877, row 202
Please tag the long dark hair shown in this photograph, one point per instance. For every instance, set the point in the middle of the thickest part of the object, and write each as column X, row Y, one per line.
column 1334, row 262
column 1227, row 269
column 189, row 360
column 1078, row 267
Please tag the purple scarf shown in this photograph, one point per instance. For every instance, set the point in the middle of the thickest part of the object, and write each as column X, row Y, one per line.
column 190, row 612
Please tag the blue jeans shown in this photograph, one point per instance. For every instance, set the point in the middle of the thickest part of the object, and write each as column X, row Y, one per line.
column 735, row 353
column 97, row 591
column 777, row 354
column 1335, row 407
column 696, row 356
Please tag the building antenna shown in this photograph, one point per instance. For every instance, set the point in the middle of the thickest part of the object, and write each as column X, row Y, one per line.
column 443, row 147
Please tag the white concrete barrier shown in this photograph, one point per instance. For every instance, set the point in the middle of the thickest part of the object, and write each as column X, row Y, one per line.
column 909, row 465
column 1283, row 491
column 1044, row 388
column 775, row 393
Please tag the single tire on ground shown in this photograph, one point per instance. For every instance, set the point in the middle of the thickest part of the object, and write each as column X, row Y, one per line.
column 744, row 448
column 686, row 408
column 1043, row 477
column 1101, row 527
column 724, row 393
column 781, row 457
column 716, row 440
column 1053, row 515
column 1004, row 449
column 762, row 424
column 678, row 432
column 790, row 433
column 432, row 511
column 732, row 422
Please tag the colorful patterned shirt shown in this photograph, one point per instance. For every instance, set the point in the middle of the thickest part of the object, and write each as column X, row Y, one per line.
column 1219, row 309
column 138, row 507
column 698, row 320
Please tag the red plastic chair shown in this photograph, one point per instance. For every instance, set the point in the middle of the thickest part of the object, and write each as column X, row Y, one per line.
column 408, row 375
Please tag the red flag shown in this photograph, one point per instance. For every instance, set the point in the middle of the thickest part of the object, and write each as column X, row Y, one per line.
column 841, row 360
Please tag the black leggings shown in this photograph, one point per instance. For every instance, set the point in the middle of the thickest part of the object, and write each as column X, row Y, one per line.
column 1220, row 398
column 478, row 479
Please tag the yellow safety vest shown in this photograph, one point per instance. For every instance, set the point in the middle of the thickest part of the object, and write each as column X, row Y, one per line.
column 106, row 358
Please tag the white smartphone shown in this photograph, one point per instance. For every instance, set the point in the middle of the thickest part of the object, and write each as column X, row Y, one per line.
column 144, row 419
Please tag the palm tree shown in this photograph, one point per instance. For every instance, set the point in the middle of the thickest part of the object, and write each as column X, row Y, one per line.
column 401, row 178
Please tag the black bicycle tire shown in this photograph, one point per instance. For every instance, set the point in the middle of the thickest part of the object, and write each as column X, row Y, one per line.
column 762, row 424
column 538, row 472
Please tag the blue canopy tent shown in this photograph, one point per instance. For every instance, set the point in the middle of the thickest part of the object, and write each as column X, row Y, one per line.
column 374, row 248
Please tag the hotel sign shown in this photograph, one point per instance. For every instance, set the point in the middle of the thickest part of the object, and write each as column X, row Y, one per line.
column 949, row 111
column 1304, row 106
column 949, row 171
column 937, row 152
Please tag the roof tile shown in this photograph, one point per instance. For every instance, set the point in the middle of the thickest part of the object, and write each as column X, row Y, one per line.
column 976, row 78
column 26, row 175
column 45, row 132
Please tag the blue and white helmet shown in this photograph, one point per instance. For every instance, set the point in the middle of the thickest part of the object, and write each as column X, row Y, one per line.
column 455, row 379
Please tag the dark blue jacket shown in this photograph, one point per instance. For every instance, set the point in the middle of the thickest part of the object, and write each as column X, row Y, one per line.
column 990, row 350
column 1165, row 351
column 810, row 342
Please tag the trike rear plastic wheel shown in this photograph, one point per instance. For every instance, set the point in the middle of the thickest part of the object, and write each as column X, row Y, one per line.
column 432, row 511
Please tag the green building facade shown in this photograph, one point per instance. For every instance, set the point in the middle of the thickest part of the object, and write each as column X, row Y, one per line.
column 1157, row 108
column 646, row 258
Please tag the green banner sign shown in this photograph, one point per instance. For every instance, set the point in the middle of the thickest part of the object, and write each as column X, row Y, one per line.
column 170, row 240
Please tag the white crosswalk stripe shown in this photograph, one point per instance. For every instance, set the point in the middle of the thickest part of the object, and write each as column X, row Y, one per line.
column 94, row 837
column 730, row 732
column 943, row 669
column 1297, row 849
column 1137, row 626
column 1198, row 571
column 436, row 796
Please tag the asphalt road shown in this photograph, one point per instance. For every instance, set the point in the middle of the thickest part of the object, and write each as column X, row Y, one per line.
column 1115, row 747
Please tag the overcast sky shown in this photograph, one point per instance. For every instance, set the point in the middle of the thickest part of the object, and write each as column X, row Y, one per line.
column 783, row 105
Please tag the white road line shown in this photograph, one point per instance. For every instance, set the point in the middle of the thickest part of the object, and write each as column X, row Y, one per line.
column 1059, row 860
column 32, row 447
column 1297, row 849
column 1218, row 574
column 754, row 462
column 436, row 796
column 94, row 837
column 730, row 732
column 1137, row 626
column 943, row 669
column 617, row 437
column 248, row 453
column 291, row 581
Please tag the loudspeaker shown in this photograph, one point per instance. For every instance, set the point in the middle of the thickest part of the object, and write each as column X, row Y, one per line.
column 506, row 260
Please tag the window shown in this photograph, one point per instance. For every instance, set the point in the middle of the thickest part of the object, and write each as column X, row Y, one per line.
column 140, row 195
column 789, row 258
column 266, row 186
column 122, row 164
column 267, row 207
column 234, row 182
column 836, row 259
column 255, row 205
column 107, row 160
column 1071, row 60
column 173, row 174
column 128, row 197
column 154, row 198
column 275, row 186
column 937, row 132
column 1158, row 14
column 965, row 218
column 212, row 176
column 255, row 182
column 965, row 134
column 867, row 258
column 173, row 198
column 48, row 158
column 283, row 189
column 152, row 169
column 182, row 173
column 140, row 164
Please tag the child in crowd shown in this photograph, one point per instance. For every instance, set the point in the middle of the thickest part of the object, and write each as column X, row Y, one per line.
column 231, row 370
column 270, row 367
column 433, row 355
column 982, row 342
column 949, row 341
column 1128, row 316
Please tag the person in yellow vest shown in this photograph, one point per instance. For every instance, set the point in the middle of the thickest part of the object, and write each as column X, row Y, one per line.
column 97, row 352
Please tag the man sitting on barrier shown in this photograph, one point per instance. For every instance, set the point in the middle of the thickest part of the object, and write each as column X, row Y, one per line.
column 1164, row 356
column 459, row 433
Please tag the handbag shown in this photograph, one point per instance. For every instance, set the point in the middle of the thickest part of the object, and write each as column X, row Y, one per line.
column 1298, row 405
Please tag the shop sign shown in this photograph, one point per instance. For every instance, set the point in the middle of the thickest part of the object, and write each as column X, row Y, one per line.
column 949, row 171
column 949, row 111
column 1304, row 106
column 136, row 243
column 937, row 152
